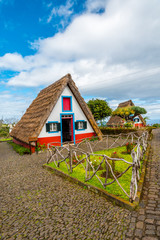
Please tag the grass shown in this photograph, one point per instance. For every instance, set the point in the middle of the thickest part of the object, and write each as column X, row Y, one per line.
column 19, row 149
column 5, row 139
column 120, row 166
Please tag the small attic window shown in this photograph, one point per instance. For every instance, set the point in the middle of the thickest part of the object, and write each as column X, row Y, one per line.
column 66, row 104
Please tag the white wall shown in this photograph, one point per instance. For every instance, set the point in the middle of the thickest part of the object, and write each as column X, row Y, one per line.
column 55, row 115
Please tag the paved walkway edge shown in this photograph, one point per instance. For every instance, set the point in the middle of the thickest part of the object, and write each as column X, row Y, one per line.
column 143, row 173
column 114, row 199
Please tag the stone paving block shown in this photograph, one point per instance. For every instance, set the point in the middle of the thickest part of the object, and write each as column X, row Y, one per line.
column 142, row 211
column 150, row 226
column 141, row 217
column 150, row 232
column 150, row 238
column 139, row 225
column 138, row 233
column 151, row 221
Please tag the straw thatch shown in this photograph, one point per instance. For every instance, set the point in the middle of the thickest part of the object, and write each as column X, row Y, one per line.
column 32, row 122
column 117, row 120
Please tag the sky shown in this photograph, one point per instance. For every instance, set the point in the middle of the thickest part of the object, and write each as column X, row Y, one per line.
column 110, row 47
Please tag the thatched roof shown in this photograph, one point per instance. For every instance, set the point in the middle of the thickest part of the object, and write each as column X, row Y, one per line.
column 128, row 103
column 114, row 121
column 36, row 115
column 117, row 120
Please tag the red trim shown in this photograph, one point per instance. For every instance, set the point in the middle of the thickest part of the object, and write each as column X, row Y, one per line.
column 47, row 140
column 84, row 135
column 26, row 145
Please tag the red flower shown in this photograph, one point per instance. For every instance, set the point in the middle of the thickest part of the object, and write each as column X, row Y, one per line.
column 115, row 152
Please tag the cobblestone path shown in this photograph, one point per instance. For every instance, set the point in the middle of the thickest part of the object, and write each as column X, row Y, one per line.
column 35, row 204
column 145, row 223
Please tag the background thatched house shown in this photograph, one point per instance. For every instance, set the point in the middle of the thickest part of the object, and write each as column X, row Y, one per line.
column 58, row 114
column 117, row 121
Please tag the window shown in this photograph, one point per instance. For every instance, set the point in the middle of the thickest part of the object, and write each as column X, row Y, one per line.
column 80, row 125
column 66, row 104
column 52, row 127
column 136, row 120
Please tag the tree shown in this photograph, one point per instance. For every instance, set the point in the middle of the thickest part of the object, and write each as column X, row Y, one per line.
column 99, row 108
column 146, row 118
column 128, row 113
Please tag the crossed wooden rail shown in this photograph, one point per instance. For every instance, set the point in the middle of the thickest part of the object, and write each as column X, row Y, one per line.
column 59, row 154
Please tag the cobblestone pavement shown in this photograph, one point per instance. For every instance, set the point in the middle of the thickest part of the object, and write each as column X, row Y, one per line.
column 145, row 223
column 35, row 204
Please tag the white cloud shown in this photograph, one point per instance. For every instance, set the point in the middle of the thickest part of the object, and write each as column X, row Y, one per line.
column 63, row 10
column 95, row 5
column 13, row 106
column 13, row 62
column 114, row 55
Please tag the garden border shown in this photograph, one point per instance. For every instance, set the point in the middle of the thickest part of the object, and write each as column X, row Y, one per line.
column 113, row 198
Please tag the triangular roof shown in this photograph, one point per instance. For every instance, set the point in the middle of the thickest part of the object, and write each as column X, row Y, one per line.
column 36, row 115
column 115, row 120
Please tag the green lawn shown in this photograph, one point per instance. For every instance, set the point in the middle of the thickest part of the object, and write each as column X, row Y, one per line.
column 120, row 166
column 5, row 139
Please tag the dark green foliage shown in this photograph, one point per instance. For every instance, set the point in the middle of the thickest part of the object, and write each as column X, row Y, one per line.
column 156, row 125
column 129, row 147
column 40, row 147
column 19, row 149
column 116, row 131
column 139, row 110
column 4, row 131
column 99, row 108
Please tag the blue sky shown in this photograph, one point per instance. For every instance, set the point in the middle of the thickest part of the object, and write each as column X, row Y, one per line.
column 111, row 49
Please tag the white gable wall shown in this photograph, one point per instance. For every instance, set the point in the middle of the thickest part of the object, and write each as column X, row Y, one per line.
column 57, row 110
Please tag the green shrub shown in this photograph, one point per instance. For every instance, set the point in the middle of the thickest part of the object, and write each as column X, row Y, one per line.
column 116, row 131
column 129, row 147
column 40, row 147
column 74, row 160
column 156, row 125
column 128, row 125
column 19, row 149
column 96, row 162
column 4, row 131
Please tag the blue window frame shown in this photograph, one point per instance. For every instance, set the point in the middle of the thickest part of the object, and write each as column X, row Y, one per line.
column 80, row 125
column 53, row 127
column 63, row 97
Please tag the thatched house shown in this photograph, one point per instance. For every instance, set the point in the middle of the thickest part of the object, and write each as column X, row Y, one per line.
column 58, row 114
column 117, row 121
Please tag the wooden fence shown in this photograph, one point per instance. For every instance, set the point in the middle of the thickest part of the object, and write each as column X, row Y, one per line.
column 86, row 148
